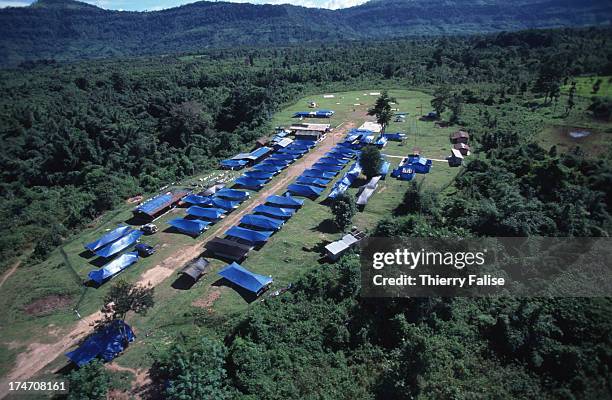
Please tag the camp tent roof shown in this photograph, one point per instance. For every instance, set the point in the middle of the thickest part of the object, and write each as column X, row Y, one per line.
column 113, row 268
column 262, row 222
column 317, row 173
column 119, row 245
column 155, row 204
column 260, row 175
column 304, row 190
column 280, row 156
column 232, row 194
column 293, row 151
column 249, row 235
column 106, row 343
column 189, row 226
column 229, row 249
column 334, row 160
column 225, row 204
column 250, row 183
column 307, row 180
column 277, row 162
column 196, row 199
column 260, row 152
column 244, row 278
column 267, row 168
column 285, row 201
column 108, row 238
column 460, row 135
column 233, row 163
column 327, row 167
column 275, row 212
column 284, row 142
column 210, row 213
column 384, row 168
column 456, row 153
column 196, row 268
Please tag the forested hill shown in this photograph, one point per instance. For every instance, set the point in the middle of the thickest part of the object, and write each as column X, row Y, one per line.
column 70, row 30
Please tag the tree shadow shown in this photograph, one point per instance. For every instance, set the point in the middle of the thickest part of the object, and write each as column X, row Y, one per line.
column 99, row 261
column 136, row 221
column 87, row 254
column 247, row 296
column 174, row 231
column 183, row 282
column 326, row 226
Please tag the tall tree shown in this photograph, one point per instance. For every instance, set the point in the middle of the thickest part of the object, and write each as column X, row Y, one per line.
column 370, row 161
column 382, row 109
column 570, row 99
column 124, row 297
column 89, row 382
column 440, row 99
column 344, row 209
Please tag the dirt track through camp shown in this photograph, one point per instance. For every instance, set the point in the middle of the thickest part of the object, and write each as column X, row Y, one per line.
column 39, row 355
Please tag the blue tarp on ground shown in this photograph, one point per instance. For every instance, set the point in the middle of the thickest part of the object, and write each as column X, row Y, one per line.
column 244, row 278
column 293, row 152
column 328, row 167
column 259, row 221
column 317, row 173
column 107, row 343
column 190, row 226
column 396, row 137
column 260, row 175
column 287, row 157
column 302, row 142
column 421, row 165
column 334, row 160
column 307, row 180
column 347, row 180
column 314, row 114
column 285, row 201
column 381, row 142
column 113, row 268
column 304, row 190
column 250, row 183
column 157, row 202
column 280, row 163
column 249, row 235
column 404, row 172
column 267, row 168
column 119, row 245
column 199, row 200
column 209, row 213
column 232, row 194
column 225, row 204
column 233, row 163
column 108, row 238
column 275, row 212
column 384, row 168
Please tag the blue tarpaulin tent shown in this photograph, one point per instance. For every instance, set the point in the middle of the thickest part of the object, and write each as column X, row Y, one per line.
column 328, row 167
column 190, row 226
column 317, row 173
column 293, row 151
column 244, row 278
column 209, row 213
column 260, row 152
column 157, row 202
column 107, row 343
column 108, row 238
column 267, row 168
column 280, row 163
column 233, row 164
column 285, row 201
column 232, row 194
column 304, row 190
column 396, row 137
column 421, row 165
column 225, row 204
column 334, row 160
column 260, row 175
column 302, row 142
column 347, row 180
column 306, row 180
column 119, row 245
column 274, row 212
column 384, row 169
column 249, row 235
column 113, row 268
column 314, row 114
column 259, row 221
column 287, row 157
column 403, row 172
column 250, row 183
column 381, row 142
column 199, row 200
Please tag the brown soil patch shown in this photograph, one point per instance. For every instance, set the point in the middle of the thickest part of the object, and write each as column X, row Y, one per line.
column 208, row 301
column 135, row 199
column 140, row 384
column 48, row 304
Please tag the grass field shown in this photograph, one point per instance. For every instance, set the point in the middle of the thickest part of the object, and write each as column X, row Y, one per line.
column 297, row 248
column 584, row 86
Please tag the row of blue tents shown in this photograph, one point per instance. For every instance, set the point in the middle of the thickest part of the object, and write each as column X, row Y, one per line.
column 410, row 166
column 206, row 210
column 314, row 114
column 357, row 138
column 241, row 160
column 260, row 174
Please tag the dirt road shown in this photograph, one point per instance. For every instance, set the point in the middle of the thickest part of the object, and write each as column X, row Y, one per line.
column 39, row 355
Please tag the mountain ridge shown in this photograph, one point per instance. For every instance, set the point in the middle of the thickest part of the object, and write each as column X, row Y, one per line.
column 69, row 30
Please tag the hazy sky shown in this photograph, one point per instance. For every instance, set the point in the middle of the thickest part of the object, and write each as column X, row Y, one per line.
column 140, row 5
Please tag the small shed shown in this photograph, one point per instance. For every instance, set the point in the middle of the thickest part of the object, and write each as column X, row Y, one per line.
column 336, row 249
column 460, row 137
column 463, row 148
column 455, row 159
column 196, row 268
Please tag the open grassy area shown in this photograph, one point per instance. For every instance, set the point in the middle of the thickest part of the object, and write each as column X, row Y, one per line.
column 584, row 86
column 292, row 251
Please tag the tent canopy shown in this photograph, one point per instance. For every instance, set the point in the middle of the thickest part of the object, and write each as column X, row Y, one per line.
column 317, row 173
column 244, row 278
column 232, row 194
column 259, row 221
column 328, row 167
column 119, row 245
column 267, row 168
column 233, row 163
column 306, row 180
column 189, row 226
column 225, row 204
column 274, row 212
column 285, row 201
column 107, row 343
column 249, row 235
column 195, row 199
column 258, row 175
column 304, row 190
column 250, row 183
column 210, row 213
column 108, row 238
column 228, row 249
column 113, row 268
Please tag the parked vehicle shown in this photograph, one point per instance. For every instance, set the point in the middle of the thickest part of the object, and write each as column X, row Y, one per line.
column 149, row 229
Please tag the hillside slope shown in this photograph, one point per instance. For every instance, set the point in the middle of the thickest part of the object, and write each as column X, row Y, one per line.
column 70, row 30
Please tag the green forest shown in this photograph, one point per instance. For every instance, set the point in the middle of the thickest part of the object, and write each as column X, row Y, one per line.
column 79, row 138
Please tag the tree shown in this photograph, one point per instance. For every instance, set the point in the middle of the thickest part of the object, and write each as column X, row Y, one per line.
column 382, row 109
column 124, row 297
column 344, row 209
column 456, row 107
column 194, row 371
column 440, row 100
column 596, row 86
column 90, row 382
column 570, row 99
column 370, row 161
